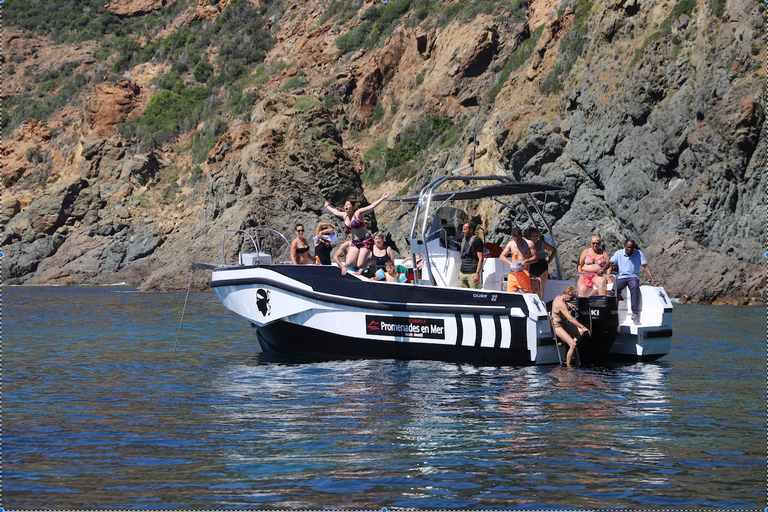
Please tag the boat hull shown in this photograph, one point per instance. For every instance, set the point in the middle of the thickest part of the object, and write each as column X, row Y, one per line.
column 318, row 313
column 290, row 339
column 649, row 339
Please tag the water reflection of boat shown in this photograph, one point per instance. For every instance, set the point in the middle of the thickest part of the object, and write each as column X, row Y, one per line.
column 316, row 312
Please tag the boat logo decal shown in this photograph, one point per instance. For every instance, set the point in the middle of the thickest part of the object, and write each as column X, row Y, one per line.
column 406, row 327
column 262, row 301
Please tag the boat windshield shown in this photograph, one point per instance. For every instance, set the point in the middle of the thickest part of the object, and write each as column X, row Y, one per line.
column 446, row 225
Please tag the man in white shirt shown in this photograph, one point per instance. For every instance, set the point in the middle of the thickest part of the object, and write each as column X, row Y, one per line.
column 630, row 260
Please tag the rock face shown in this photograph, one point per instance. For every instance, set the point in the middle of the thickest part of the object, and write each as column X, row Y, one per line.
column 112, row 105
column 650, row 115
column 136, row 7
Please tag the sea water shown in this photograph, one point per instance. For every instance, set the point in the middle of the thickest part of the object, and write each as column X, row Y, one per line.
column 100, row 412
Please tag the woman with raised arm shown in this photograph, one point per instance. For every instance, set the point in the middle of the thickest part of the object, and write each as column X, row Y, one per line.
column 362, row 242
column 325, row 237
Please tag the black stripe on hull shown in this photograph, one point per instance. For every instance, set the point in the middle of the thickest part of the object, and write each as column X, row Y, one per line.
column 459, row 330
column 478, row 331
column 296, row 340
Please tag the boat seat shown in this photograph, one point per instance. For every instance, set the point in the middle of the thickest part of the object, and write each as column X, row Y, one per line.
column 491, row 250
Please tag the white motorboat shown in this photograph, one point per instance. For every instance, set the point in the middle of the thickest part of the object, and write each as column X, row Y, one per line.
column 315, row 311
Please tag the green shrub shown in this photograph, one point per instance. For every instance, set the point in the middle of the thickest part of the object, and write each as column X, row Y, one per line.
column 393, row 162
column 171, row 81
column 167, row 114
column 571, row 47
column 515, row 61
column 718, row 7
column 449, row 13
column 416, row 138
column 304, row 103
column 244, row 42
column 203, row 71
column 378, row 113
column 206, row 138
column 378, row 22
column 376, row 152
column 242, row 102
column 239, row 30
column 639, row 52
column 127, row 49
column 374, row 176
column 27, row 107
column 195, row 175
column 341, row 10
column 297, row 81
column 354, row 39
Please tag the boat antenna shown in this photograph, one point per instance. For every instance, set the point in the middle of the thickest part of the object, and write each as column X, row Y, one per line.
column 471, row 165
column 473, row 133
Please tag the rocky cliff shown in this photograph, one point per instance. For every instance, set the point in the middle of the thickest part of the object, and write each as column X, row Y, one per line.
column 650, row 114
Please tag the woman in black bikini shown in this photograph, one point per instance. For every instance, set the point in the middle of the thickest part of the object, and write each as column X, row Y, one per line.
column 362, row 242
column 540, row 269
column 299, row 247
column 381, row 253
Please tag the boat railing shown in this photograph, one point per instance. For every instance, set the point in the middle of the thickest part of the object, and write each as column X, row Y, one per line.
column 260, row 256
column 536, row 286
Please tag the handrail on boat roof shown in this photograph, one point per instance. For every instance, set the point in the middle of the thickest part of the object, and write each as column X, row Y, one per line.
column 505, row 187
column 254, row 241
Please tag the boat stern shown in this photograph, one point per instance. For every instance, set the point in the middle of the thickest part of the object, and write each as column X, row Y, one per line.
column 651, row 338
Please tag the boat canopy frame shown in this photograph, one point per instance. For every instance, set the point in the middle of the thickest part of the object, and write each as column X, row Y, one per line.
column 254, row 241
column 503, row 186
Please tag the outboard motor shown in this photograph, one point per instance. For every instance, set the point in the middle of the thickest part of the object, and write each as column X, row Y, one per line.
column 601, row 315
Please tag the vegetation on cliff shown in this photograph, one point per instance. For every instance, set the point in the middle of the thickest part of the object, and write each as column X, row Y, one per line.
column 136, row 131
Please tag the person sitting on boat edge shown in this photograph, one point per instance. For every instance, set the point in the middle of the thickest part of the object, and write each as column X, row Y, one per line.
column 390, row 273
column 380, row 252
column 325, row 237
column 567, row 328
column 593, row 264
column 341, row 253
column 299, row 246
column 523, row 254
column 471, row 258
column 630, row 260
column 408, row 262
column 540, row 268
column 362, row 242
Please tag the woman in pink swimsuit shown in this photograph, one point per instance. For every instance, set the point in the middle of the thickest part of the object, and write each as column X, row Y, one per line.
column 593, row 265
column 362, row 243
